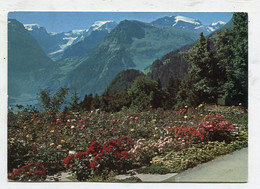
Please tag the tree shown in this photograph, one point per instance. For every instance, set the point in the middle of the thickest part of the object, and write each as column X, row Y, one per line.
column 171, row 92
column 202, row 72
column 187, row 95
column 144, row 93
column 95, row 102
column 74, row 105
column 55, row 102
column 58, row 98
column 86, row 103
column 232, row 58
column 115, row 102
column 45, row 98
column 239, row 93
column 224, row 57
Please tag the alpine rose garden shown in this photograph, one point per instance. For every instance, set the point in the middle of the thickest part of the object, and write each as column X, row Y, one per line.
column 97, row 145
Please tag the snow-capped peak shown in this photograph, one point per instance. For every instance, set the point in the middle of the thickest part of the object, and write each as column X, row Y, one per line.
column 53, row 33
column 218, row 23
column 100, row 25
column 215, row 25
column 30, row 27
column 186, row 19
column 77, row 31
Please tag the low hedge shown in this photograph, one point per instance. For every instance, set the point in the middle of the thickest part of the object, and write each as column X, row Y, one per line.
column 153, row 169
column 189, row 157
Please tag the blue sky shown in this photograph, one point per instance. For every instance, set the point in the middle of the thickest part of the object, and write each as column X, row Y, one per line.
column 66, row 21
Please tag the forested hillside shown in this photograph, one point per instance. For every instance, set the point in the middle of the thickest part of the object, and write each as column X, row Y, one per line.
column 212, row 70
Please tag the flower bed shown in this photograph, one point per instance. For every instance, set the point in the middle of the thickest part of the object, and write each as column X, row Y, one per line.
column 196, row 154
column 104, row 142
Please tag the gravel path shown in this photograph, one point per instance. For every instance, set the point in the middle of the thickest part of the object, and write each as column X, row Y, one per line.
column 229, row 168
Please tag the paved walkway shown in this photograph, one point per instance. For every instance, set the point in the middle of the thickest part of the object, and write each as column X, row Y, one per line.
column 229, row 168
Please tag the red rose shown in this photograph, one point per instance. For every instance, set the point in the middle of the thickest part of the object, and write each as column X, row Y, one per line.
column 93, row 164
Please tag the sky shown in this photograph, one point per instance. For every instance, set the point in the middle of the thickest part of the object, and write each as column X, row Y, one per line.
column 66, row 21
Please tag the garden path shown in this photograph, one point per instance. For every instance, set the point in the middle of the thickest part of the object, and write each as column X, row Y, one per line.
column 228, row 168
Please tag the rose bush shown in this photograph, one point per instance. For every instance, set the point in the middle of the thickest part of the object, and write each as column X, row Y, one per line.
column 30, row 172
column 112, row 156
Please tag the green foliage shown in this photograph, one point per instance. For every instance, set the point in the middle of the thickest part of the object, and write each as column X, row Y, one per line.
column 202, row 72
column 129, row 180
column 45, row 97
column 154, row 169
column 115, row 102
column 172, row 89
column 239, row 92
column 74, row 105
column 172, row 64
column 144, row 93
column 86, row 103
column 224, row 56
column 51, row 158
column 186, row 93
column 55, row 102
column 17, row 154
column 122, row 81
column 96, row 103
column 218, row 67
column 232, row 58
column 107, row 176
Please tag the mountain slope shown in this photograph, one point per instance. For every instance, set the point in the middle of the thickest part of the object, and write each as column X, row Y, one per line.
column 87, row 44
column 28, row 66
column 132, row 44
column 122, row 81
column 96, row 34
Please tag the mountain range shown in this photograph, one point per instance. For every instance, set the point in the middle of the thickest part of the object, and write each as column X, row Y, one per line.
column 132, row 44
column 60, row 45
column 54, row 44
column 89, row 59
column 188, row 24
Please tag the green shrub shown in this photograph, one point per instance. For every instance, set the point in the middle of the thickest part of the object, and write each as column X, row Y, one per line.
column 130, row 179
column 154, row 169
column 17, row 154
column 51, row 158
